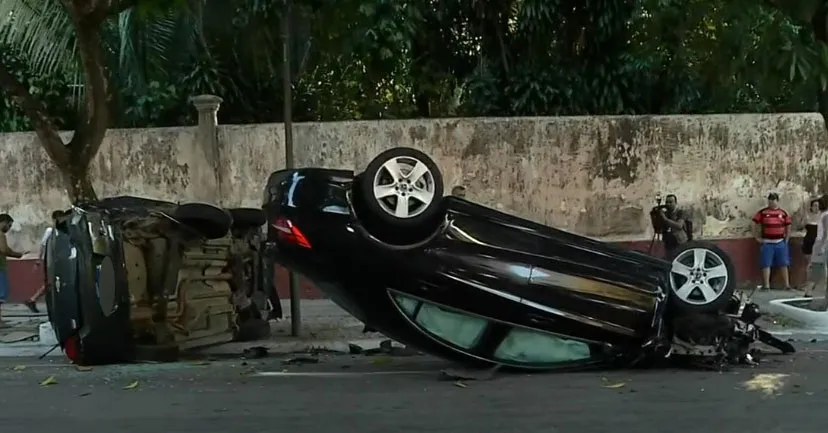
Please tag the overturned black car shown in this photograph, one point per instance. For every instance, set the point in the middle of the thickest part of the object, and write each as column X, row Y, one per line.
column 472, row 284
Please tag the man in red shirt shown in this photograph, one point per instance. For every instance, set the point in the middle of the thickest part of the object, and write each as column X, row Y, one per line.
column 772, row 228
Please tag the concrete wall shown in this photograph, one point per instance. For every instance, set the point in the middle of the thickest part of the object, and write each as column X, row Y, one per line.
column 164, row 163
column 597, row 176
column 593, row 175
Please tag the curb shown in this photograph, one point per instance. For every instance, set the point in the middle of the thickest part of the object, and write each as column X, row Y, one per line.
column 294, row 346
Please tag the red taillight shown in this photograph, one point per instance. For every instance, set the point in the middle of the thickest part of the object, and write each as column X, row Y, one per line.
column 287, row 232
column 70, row 348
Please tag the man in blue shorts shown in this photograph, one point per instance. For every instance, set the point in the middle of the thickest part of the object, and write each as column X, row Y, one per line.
column 772, row 229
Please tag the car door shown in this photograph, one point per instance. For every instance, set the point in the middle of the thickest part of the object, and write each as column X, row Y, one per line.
column 461, row 269
column 580, row 290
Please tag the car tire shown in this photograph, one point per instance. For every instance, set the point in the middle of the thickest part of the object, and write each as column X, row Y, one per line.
column 245, row 217
column 422, row 195
column 209, row 221
column 701, row 287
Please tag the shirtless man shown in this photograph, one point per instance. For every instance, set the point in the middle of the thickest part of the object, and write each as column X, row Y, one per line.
column 6, row 222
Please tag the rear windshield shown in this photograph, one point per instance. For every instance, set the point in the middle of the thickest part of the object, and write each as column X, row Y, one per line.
column 312, row 193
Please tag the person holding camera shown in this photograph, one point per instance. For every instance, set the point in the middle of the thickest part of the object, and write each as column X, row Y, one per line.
column 673, row 225
column 772, row 229
column 817, row 271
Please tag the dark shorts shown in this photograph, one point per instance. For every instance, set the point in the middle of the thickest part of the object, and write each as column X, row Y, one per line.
column 4, row 285
column 774, row 255
column 808, row 245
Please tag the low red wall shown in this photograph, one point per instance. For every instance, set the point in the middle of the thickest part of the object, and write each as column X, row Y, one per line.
column 25, row 275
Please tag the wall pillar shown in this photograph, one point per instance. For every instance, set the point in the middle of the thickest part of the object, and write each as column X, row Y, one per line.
column 207, row 141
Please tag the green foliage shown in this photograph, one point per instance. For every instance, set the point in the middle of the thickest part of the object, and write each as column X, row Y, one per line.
column 372, row 59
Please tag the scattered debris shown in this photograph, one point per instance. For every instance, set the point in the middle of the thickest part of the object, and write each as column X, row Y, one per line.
column 386, row 347
column 766, row 383
column 49, row 381
column 132, row 385
column 381, row 361
column 83, row 368
column 255, row 352
column 459, row 384
column 19, row 367
column 301, row 360
column 615, row 385
column 468, row 374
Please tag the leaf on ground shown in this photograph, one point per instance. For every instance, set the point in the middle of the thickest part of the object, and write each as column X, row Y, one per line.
column 83, row 368
column 459, row 384
column 49, row 381
column 132, row 385
column 19, row 367
column 615, row 385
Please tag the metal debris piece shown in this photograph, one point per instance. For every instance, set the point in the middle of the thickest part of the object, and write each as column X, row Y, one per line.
column 301, row 360
column 255, row 352
column 468, row 374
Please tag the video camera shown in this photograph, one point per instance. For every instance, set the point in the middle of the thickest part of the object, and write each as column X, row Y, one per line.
column 655, row 215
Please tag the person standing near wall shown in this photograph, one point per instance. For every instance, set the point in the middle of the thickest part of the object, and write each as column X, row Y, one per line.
column 811, row 223
column 32, row 302
column 6, row 222
column 674, row 227
column 817, row 276
column 772, row 230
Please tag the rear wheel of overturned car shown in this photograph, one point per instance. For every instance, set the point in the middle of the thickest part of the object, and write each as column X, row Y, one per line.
column 402, row 187
column 702, row 278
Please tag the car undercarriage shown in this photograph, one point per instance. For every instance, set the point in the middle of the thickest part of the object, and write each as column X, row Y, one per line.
column 133, row 278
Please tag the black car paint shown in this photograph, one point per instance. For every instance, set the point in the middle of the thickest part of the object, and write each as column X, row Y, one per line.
column 78, row 281
column 517, row 273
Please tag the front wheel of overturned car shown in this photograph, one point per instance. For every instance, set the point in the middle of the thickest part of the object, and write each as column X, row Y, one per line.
column 702, row 278
column 402, row 187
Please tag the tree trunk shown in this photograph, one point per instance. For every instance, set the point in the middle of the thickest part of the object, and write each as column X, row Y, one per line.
column 78, row 186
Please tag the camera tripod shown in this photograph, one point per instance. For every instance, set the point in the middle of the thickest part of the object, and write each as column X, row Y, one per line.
column 656, row 236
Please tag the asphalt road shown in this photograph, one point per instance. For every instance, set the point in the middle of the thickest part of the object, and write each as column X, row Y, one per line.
column 404, row 394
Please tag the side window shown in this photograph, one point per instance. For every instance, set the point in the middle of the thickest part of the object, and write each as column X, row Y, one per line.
column 455, row 328
column 525, row 346
column 520, row 346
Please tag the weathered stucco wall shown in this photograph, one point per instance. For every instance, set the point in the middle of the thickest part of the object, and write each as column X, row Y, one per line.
column 166, row 163
column 593, row 175
column 597, row 176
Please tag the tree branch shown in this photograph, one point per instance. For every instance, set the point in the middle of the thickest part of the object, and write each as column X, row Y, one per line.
column 44, row 128
column 94, row 121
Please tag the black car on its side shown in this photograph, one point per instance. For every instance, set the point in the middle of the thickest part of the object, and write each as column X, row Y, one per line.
column 469, row 283
column 133, row 278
